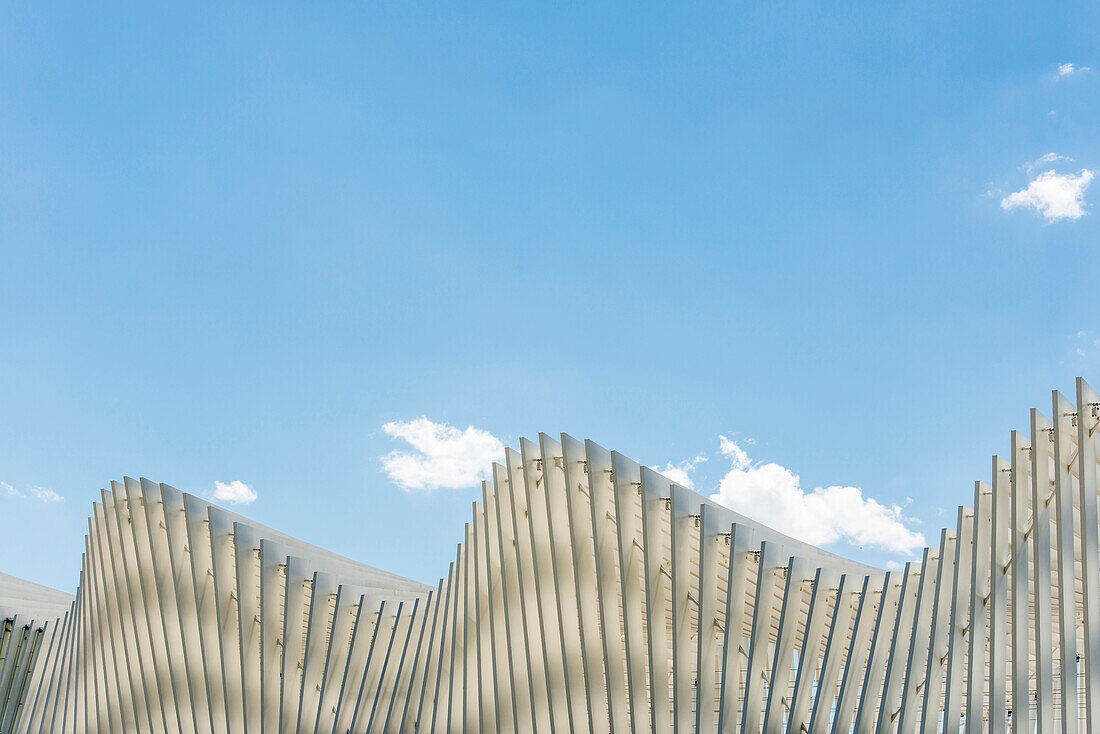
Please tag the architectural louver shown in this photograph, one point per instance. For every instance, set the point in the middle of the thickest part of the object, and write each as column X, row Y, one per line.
column 589, row 595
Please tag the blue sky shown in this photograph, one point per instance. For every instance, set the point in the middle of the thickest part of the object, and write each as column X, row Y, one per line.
column 235, row 242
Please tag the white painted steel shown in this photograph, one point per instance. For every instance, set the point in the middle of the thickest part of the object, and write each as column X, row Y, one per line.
column 590, row 595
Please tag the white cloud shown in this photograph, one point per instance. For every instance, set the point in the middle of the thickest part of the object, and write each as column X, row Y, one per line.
column 33, row 492
column 1051, row 158
column 443, row 457
column 1042, row 160
column 681, row 473
column 45, row 495
column 772, row 494
column 1069, row 69
column 1053, row 195
column 233, row 493
column 1084, row 344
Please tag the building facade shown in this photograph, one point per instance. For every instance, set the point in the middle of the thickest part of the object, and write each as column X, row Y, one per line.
column 589, row 595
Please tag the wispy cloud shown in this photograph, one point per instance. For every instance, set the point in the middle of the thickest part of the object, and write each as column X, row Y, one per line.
column 232, row 493
column 1051, row 157
column 1069, row 69
column 442, row 456
column 773, row 495
column 32, row 491
column 681, row 473
column 1054, row 196
column 44, row 495
column 1084, row 344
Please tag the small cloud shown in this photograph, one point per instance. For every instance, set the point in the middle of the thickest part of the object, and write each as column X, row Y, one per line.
column 1055, row 196
column 894, row 566
column 33, row 492
column 442, row 456
column 45, row 495
column 681, row 473
column 1069, row 69
column 773, row 495
column 1051, row 157
column 233, row 493
column 1084, row 344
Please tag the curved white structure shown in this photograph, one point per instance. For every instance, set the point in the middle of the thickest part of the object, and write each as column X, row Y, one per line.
column 590, row 594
